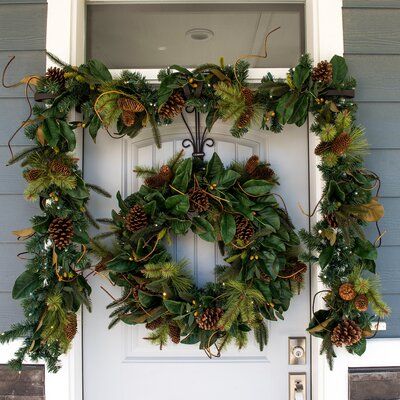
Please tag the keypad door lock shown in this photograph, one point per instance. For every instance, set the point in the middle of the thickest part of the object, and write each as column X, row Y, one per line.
column 297, row 351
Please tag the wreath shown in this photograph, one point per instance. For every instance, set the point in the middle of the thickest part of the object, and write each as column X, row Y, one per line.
column 233, row 207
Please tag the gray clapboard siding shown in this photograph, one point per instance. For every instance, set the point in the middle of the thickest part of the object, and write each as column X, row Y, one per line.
column 377, row 76
column 13, row 111
column 25, row 63
column 10, row 266
column 10, row 311
column 11, row 179
column 371, row 3
column 26, row 32
column 372, row 49
column 380, row 136
column 372, row 31
column 382, row 162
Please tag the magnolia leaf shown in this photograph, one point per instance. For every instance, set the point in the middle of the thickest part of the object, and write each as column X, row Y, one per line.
column 320, row 327
column 23, row 233
column 182, row 175
column 370, row 212
column 178, row 204
column 228, row 227
column 330, row 234
column 40, row 135
column 215, row 167
column 365, row 249
column 326, row 256
column 339, row 69
column 25, row 284
column 257, row 187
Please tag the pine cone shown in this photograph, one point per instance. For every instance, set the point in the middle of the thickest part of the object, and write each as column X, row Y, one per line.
column 158, row 180
column 248, row 96
column 71, row 326
column 136, row 218
column 341, row 143
column 263, row 172
column 209, row 319
column 323, row 72
column 173, row 106
column 55, row 74
column 130, row 105
column 347, row 292
column 61, row 231
column 346, row 333
column 244, row 230
column 198, row 200
column 33, row 174
column 264, row 277
column 331, row 220
column 128, row 118
column 58, row 167
column 322, row 148
column 153, row 325
column 245, row 118
column 174, row 332
column 361, row 302
column 252, row 164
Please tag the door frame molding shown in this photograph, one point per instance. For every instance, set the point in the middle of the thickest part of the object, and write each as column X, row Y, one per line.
column 66, row 20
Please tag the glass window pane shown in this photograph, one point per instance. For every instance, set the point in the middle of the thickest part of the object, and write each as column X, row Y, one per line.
column 155, row 36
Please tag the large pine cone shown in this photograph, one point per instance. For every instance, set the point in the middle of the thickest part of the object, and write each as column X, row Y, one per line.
column 341, row 143
column 136, row 218
column 56, row 74
column 331, row 220
column 209, row 319
column 173, row 106
column 248, row 96
column 130, row 105
column 323, row 72
column 198, row 200
column 71, row 326
column 245, row 118
column 33, row 174
column 61, row 231
column 163, row 177
column 128, row 118
column 322, row 148
column 58, row 167
column 252, row 164
column 174, row 332
column 244, row 230
column 346, row 333
column 361, row 302
column 347, row 292
column 153, row 325
column 263, row 172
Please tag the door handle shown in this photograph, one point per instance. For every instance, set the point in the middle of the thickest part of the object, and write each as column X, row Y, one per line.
column 299, row 391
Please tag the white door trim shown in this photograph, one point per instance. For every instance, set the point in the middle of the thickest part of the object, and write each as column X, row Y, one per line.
column 66, row 39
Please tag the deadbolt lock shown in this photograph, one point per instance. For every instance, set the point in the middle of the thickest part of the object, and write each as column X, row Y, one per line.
column 297, row 351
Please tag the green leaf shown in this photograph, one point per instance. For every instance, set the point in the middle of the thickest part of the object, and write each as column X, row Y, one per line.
column 99, row 71
column 178, row 204
column 121, row 265
column 215, row 167
column 285, row 107
column 226, row 179
column 25, row 284
column 300, row 75
column 204, row 229
column 339, row 69
column 335, row 193
column 182, row 175
column 174, row 307
column 264, row 289
column 51, row 131
column 228, row 227
column 365, row 249
column 121, row 203
column 358, row 348
column 94, row 127
column 271, row 217
column 326, row 256
column 145, row 299
column 180, row 226
column 257, row 187
column 68, row 134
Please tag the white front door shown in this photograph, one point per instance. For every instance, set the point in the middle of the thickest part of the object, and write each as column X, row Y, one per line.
column 119, row 363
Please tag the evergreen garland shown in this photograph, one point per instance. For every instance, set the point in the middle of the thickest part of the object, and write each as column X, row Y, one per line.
column 52, row 288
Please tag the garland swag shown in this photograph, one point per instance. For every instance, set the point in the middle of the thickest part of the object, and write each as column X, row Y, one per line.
column 232, row 206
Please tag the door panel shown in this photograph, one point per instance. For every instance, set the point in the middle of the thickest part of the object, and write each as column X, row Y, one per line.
column 119, row 363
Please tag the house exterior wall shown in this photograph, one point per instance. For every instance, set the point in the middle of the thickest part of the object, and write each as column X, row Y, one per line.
column 372, row 50
column 22, row 34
